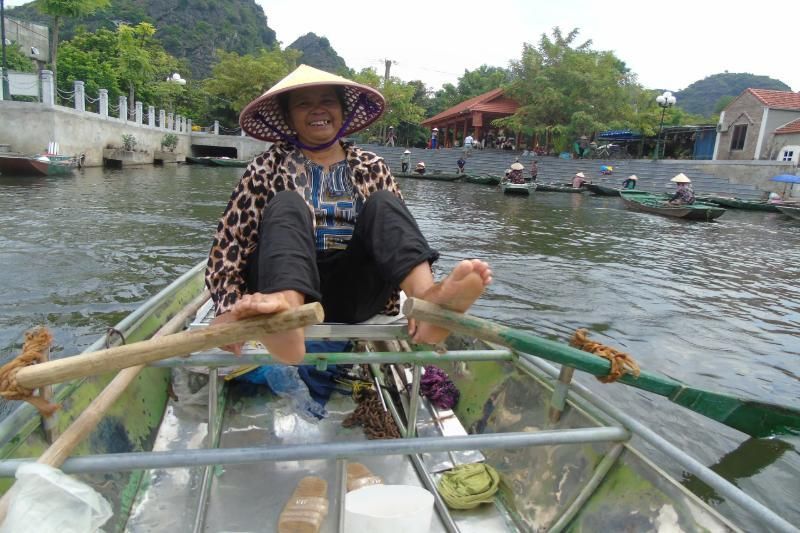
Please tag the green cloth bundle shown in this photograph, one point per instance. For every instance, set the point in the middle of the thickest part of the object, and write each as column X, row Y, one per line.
column 467, row 486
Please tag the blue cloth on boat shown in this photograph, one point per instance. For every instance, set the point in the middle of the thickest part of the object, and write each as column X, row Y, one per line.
column 321, row 383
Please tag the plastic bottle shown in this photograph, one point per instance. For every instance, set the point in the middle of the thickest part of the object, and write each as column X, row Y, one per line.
column 285, row 382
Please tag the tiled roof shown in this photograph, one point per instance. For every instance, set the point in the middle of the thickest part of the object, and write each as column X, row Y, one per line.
column 777, row 99
column 791, row 127
column 492, row 102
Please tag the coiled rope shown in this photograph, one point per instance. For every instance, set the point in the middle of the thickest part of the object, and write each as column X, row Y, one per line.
column 37, row 342
column 621, row 363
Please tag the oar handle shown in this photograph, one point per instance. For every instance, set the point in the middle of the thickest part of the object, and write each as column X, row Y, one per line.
column 140, row 353
column 531, row 344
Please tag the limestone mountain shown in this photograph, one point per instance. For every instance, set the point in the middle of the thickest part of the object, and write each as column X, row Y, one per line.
column 318, row 53
column 702, row 97
column 190, row 30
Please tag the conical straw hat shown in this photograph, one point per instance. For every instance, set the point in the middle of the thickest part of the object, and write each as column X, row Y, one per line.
column 633, row 177
column 681, row 178
column 263, row 118
column 517, row 166
column 579, row 175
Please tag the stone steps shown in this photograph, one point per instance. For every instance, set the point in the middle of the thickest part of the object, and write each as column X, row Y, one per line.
column 653, row 176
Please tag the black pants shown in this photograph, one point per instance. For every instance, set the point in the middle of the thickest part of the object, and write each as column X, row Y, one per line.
column 352, row 284
column 403, row 167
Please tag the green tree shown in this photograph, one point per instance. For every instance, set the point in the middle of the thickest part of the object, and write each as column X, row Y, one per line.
column 236, row 80
column 59, row 9
column 482, row 80
column 401, row 109
column 568, row 89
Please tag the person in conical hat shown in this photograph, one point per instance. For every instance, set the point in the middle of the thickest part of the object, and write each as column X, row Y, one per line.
column 579, row 180
column 630, row 182
column 684, row 195
column 516, row 176
column 316, row 219
column 405, row 161
column 420, row 169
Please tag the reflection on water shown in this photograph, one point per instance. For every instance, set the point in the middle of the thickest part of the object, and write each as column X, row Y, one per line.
column 713, row 304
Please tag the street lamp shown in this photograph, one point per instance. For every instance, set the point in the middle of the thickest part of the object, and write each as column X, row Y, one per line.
column 664, row 100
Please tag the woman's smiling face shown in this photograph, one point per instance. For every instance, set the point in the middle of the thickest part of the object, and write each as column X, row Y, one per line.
column 316, row 114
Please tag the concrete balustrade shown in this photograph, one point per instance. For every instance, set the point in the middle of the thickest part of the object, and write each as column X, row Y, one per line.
column 151, row 116
column 103, row 102
column 123, row 108
column 80, row 96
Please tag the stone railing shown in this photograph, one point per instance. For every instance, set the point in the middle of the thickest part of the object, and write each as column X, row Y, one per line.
column 163, row 120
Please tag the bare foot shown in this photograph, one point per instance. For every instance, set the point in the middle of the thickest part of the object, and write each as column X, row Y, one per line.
column 287, row 346
column 456, row 292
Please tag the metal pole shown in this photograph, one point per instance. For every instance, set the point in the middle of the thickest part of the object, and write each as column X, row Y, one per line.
column 217, row 359
column 660, row 127
column 411, row 430
column 118, row 462
column 6, row 96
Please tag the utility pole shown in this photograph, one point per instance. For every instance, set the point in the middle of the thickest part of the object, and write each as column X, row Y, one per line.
column 4, row 72
column 388, row 67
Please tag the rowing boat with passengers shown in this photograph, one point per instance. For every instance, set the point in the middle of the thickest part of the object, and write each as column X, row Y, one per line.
column 562, row 457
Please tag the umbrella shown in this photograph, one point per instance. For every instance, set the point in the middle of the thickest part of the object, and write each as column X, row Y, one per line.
column 786, row 178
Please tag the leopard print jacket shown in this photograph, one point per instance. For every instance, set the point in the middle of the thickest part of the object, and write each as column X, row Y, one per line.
column 279, row 168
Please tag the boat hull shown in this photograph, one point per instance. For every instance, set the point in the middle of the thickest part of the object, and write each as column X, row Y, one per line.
column 30, row 166
column 650, row 203
column 556, row 187
column 517, row 188
column 601, row 190
column 738, row 203
column 793, row 212
column 482, row 180
column 432, row 176
column 221, row 162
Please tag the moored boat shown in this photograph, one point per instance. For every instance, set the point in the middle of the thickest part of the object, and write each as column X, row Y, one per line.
column 739, row 203
column 204, row 160
column 517, row 188
column 163, row 468
column 441, row 176
column 482, row 180
column 654, row 203
column 229, row 162
column 792, row 211
column 601, row 190
column 558, row 187
column 21, row 165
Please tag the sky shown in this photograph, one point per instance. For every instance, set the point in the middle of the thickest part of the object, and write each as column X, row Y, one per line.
column 668, row 45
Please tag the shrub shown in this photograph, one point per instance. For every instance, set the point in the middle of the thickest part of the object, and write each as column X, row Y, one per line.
column 128, row 142
column 170, row 141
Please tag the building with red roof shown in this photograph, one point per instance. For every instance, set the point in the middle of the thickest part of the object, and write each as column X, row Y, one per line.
column 473, row 116
column 760, row 124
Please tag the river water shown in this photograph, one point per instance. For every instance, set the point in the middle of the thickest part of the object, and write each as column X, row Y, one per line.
column 716, row 305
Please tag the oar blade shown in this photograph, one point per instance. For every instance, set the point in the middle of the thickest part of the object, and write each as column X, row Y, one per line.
column 757, row 419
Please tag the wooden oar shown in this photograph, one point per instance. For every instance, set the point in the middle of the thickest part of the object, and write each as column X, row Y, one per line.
column 140, row 353
column 87, row 421
column 757, row 419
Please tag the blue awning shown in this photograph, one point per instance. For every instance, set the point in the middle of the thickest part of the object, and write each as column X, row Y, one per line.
column 619, row 135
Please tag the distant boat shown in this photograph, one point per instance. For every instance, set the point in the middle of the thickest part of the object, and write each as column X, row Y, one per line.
column 482, row 180
column 793, row 212
column 22, row 165
column 518, row 188
column 655, row 203
column 206, row 160
column 228, row 162
column 739, row 203
column 430, row 176
column 558, row 187
column 601, row 190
